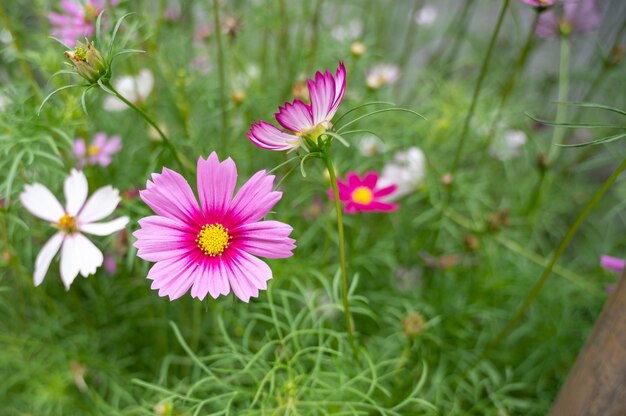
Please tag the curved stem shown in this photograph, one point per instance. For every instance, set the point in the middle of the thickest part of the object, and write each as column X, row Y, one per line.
column 477, row 88
column 520, row 63
column 342, row 251
column 147, row 118
column 221, row 71
column 561, row 109
column 557, row 254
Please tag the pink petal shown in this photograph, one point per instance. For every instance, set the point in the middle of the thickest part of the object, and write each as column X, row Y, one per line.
column 161, row 238
column 169, row 195
column 268, row 239
column 322, row 92
column 295, row 117
column 612, row 263
column 387, row 190
column 582, row 15
column 269, row 137
column 253, row 201
column 370, row 179
column 216, row 184
column 247, row 274
column 174, row 279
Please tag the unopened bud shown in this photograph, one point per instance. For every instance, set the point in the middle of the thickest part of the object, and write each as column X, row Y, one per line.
column 414, row 325
column 238, row 97
column 447, row 179
column 471, row 242
column 88, row 61
column 357, row 49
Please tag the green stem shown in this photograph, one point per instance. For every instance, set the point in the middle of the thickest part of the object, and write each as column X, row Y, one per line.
column 342, row 251
column 221, row 70
column 557, row 254
column 26, row 69
column 149, row 120
column 561, row 110
column 477, row 88
column 559, row 131
column 520, row 63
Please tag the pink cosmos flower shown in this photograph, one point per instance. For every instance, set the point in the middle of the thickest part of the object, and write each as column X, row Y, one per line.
column 612, row 263
column 540, row 3
column 100, row 150
column 300, row 119
column 361, row 194
column 577, row 16
column 78, row 254
column 211, row 247
column 77, row 20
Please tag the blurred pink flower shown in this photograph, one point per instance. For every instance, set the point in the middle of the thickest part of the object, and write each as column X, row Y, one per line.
column 612, row 263
column 211, row 247
column 575, row 16
column 110, row 265
column 362, row 194
column 99, row 151
column 77, row 20
column 302, row 119
column 540, row 3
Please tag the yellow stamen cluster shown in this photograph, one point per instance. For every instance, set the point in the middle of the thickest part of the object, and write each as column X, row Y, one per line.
column 67, row 223
column 93, row 150
column 362, row 195
column 213, row 239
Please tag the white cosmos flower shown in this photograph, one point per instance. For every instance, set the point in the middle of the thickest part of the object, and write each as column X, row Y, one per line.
column 508, row 145
column 407, row 171
column 381, row 75
column 426, row 16
column 78, row 254
column 134, row 88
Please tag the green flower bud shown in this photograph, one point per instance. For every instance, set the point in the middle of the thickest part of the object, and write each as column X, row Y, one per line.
column 88, row 61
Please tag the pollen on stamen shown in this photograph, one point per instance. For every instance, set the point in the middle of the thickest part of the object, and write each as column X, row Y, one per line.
column 67, row 223
column 213, row 239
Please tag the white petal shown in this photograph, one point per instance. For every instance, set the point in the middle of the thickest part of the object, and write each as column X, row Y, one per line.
column 70, row 260
column 90, row 256
column 39, row 201
column 75, row 189
column 112, row 103
column 100, row 204
column 144, row 83
column 104, row 228
column 45, row 256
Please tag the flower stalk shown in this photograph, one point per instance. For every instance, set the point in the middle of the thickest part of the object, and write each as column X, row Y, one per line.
column 168, row 143
column 342, row 250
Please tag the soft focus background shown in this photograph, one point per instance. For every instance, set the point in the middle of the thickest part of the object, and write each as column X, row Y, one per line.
column 432, row 283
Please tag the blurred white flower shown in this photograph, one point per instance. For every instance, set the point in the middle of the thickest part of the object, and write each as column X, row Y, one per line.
column 78, row 254
column 381, row 75
column 426, row 16
column 407, row 171
column 134, row 88
column 371, row 145
column 349, row 32
column 5, row 36
column 508, row 145
column 4, row 102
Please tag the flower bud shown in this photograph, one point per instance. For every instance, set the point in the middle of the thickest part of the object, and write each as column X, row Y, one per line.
column 414, row 324
column 88, row 61
column 357, row 49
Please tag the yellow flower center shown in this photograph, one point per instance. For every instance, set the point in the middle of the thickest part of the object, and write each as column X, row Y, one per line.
column 213, row 239
column 67, row 223
column 316, row 131
column 362, row 195
column 93, row 150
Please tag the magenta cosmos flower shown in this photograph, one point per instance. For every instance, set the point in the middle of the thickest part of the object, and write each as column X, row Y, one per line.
column 612, row 263
column 77, row 20
column 211, row 247
column 99, row 151
column 540, row 3
column 300, row 119
column 361, row 194
column 576, row 16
